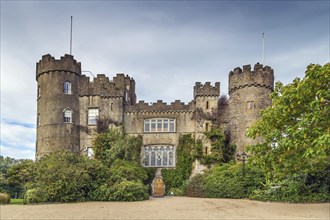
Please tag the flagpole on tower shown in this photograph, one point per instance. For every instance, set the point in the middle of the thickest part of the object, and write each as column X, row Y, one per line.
column 263, row 49
column 71, row 38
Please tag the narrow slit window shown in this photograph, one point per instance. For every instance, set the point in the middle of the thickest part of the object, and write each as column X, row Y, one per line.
column 206, row 126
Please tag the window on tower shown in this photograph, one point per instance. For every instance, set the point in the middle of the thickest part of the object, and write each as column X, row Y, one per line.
column 67, row 87
column 38, row 120
column 67, row 116
column 249, row 105
column 207, row 105
column 39, row 91
column 93, row 116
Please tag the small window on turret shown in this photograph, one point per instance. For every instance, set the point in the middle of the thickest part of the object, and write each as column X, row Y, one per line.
column 67, row 87
column 67, row 116
column 249, row 105
column 207, row 105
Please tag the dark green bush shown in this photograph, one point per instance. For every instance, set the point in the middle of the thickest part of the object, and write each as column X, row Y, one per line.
column 195, row 187
column 122, row 170
column 65, row 177
column 297, row 188
column 227, row 181
column 128, row 191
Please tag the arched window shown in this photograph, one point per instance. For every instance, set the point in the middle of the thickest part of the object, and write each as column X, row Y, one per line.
column 207, row 105
column 67, row 116
column 67, row 87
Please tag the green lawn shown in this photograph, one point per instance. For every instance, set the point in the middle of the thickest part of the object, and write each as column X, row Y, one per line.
column 16, row 201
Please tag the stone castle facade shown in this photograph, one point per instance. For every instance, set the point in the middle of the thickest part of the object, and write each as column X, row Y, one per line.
column 70, row 106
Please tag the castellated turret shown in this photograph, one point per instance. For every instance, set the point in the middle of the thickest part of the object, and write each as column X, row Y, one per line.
column 206, row 98
column 249, row 92
column 57, row 104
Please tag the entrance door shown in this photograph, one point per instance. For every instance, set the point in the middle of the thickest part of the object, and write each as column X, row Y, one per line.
column 159, row 187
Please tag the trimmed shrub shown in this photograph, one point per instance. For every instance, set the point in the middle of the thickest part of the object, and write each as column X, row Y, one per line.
column 195, row 187
column 4, row 198
column 128, row 191
column 34, row 196
column 123, row 170
column 227, row 181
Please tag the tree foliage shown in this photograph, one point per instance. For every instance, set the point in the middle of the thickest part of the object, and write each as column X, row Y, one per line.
column 296, row 129
column 222, row 151
column 64, row 176
column 14, row 175
column 116, row 145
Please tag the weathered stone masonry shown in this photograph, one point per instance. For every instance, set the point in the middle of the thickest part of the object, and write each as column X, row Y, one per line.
column 70, row 105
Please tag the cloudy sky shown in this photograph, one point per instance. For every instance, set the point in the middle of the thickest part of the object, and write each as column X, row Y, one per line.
column 166, row 46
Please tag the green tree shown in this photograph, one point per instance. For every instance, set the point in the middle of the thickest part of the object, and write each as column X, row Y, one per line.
column 19, row 175
column 64, row 176
column 296, row 129
column 116, row 145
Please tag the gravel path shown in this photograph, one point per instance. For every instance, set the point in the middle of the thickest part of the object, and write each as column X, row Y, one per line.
column 169, row 208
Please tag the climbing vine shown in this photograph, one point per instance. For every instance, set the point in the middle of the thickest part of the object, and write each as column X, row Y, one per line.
column 221, row 150
column 176, row 178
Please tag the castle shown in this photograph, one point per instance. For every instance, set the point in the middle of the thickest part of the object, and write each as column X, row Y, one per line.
column 70, row 106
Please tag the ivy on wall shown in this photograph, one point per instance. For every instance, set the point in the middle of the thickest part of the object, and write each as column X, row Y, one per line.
column 221, row 150
column 176, row 178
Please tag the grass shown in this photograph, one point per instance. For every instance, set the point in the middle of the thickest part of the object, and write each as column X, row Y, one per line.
column 16, row 201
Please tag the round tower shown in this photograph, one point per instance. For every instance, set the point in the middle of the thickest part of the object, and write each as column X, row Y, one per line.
column 249, row 92
column 57, row 104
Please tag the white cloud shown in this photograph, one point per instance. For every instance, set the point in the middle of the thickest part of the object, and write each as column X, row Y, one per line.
column 17, row 141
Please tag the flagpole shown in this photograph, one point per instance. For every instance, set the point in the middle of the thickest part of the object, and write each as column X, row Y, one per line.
column 263, row 49
column 71, row 38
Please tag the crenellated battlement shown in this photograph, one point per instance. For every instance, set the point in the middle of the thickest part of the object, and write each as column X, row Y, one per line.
column 206, row 89
column 161, row 106
column 66, row 63
column 259, row 77
column 103, row 86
